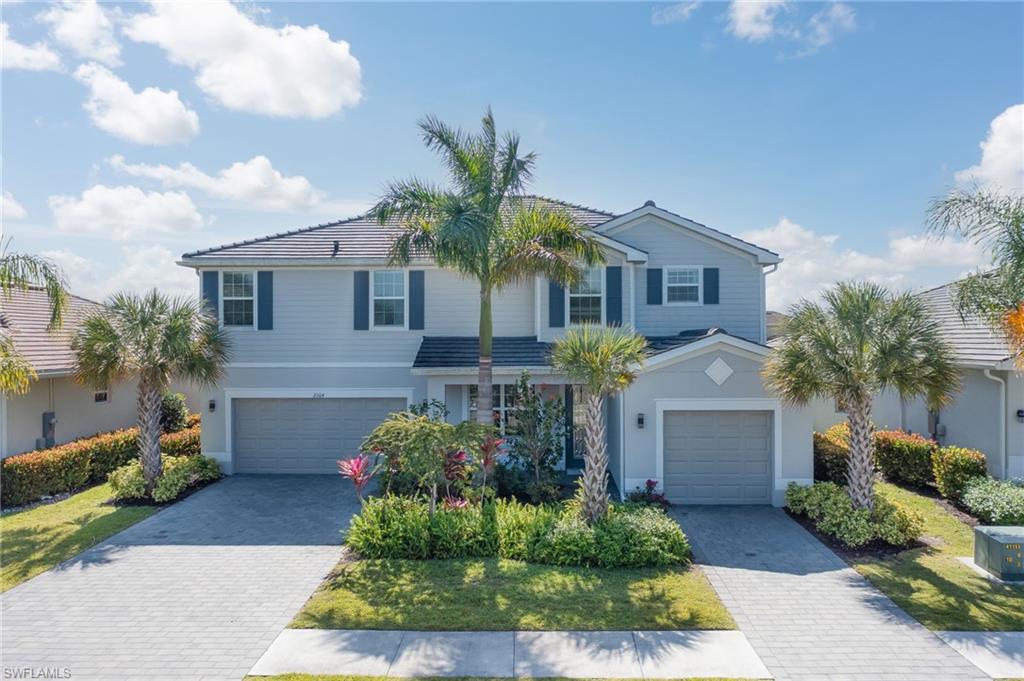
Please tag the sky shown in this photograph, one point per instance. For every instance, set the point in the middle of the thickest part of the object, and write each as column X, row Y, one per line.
column 133, row 133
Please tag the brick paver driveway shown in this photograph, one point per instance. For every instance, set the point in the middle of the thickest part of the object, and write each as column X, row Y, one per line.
column 197, row 591
column 807, row 614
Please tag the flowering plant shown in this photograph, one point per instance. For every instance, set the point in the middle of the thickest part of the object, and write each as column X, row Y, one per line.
column 359, row 470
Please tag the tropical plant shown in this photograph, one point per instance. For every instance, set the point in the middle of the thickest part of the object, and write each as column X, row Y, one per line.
column 860, row 341
column 536, row 435
column 157, row 340
column 481, row 227
column 604, row 360
column 359, row 470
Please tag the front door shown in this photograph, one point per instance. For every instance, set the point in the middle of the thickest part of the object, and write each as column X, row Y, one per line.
column 575, row 413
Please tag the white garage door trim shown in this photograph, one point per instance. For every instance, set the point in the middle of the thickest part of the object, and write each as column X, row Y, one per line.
column 232, row 394
column 721, row 404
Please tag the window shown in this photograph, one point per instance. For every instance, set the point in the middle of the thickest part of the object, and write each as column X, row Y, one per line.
column 682, row 285
column 503, row 404
column 585, row 297
column 389, row 298
column 239, row 299
column 101, row 396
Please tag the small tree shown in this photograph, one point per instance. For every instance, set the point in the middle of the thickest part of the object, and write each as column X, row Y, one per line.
column 536, row 433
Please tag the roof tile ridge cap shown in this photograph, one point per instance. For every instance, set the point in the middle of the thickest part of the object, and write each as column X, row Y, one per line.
column 570, row 204
column 276, row 235
column 701, row 224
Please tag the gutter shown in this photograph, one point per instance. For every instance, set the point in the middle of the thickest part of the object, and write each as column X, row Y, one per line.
column 1004, row 459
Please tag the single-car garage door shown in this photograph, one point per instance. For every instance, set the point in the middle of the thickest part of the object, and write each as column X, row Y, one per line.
column 718, row 457
column 303, row 435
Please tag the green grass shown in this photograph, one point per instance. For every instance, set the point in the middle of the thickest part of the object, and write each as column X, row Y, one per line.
column 317, row 677
column 503, row 595
column 933, row 586
column 35, row 540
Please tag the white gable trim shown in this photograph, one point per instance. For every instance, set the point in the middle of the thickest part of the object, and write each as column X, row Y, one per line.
column 719, row 341
column 632, row 254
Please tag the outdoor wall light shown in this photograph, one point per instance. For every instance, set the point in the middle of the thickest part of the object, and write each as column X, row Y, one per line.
column 640, row 421
column 1020, row 416
column 213, row 406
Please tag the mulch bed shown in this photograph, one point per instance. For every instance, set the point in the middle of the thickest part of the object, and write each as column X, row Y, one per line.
column 875, row 549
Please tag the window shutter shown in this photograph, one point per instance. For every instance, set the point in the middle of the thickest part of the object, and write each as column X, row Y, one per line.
column 654, row 286
column 711, row 286
column 265, row 300
column 211, row 291
column 613, row 296
column 416, row 299
column 361, row 300
column 556, row 305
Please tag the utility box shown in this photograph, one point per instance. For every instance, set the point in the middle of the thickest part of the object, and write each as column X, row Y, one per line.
column 1000, row 551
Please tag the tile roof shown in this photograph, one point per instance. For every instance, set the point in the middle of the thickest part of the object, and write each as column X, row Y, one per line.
column 24, row 315
column 973, row 341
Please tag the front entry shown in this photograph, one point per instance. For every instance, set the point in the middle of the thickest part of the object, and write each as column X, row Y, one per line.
column 575, row 436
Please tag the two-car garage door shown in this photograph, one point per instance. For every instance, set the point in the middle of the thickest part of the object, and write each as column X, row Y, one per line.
column 718, row 457
column 291, row 435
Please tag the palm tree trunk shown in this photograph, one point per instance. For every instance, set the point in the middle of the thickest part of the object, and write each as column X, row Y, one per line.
column 860, row 474
column 595, row 464
column 484, row 401
column 149, row 431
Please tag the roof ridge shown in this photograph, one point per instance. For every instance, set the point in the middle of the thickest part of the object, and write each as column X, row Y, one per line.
column 701, row 224
column 268, row 237
column 570, row 204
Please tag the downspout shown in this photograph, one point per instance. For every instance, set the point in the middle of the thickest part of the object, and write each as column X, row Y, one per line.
column 764, row 299
column 1004, row 459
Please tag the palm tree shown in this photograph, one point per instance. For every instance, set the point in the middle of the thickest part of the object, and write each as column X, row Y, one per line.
column 860, row 341
column 481, row 227
column 604, row 361
column 157, row 340
column 996, row 222
column 19, row 272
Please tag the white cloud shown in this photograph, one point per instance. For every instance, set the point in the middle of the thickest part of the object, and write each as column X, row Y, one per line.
column 137, row 269
column 813, row 262
column 295, row 71
column 85, row 28
column 823, row 26
column 35, row 57
column 760, row 21
column 152, row 116
column 677, row 13
column 125, row 212
column 1002, row 154
column 11, row 209
column 754, row 20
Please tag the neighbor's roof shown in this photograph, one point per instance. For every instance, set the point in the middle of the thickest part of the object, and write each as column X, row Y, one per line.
column 973, row 341
column 24, row 316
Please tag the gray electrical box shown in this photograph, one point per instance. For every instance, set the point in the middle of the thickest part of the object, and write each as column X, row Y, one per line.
column 1000, row 551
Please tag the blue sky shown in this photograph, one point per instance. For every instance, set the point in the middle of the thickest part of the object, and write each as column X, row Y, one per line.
column 820, row 130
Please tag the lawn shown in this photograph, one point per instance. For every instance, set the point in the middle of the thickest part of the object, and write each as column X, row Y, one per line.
column 504, row 595
column 935, row 588
column 39, row 538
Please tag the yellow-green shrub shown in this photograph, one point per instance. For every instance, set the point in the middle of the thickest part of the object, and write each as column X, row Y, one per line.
column 831, row 509
column 179, row 473
column 954, row 467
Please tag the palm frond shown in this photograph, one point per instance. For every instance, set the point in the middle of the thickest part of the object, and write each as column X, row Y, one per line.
column 540, row 240
column 21, row 271
column 603, row 359
column 983, row 216
column 16, row 373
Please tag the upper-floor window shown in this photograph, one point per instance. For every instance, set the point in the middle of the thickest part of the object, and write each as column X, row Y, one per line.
column 682, row 285
column 239, row 298
column 388, row 298
column 585, row 297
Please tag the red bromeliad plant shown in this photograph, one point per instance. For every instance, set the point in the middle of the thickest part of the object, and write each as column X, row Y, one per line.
column 489, row 451
column 359, row 470
column 454, row 503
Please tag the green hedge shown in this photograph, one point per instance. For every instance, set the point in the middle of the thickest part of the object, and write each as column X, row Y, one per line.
column 954, row 467
column 995, row 502
column 831, row 509
column 179, row 473
column 831, row 460
column 904, row 457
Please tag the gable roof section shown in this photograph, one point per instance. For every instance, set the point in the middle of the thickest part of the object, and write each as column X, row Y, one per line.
column 24, row 316
column 974, row 343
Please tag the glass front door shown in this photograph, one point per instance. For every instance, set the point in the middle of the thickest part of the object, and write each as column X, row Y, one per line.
column 575, row 441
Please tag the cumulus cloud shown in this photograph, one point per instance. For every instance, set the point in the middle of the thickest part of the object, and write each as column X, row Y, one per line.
column 764, row 20
column 815, row 261
column 754, row 20
column 35, row 57
column 152, row 116
column 136, row 269
column 11, row 209
column 125, row 212
column 672, row 14
column 85, row 28
column 294, row 71
column 1002, row 154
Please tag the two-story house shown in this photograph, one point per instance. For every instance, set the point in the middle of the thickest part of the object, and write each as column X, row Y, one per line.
column 329, row 339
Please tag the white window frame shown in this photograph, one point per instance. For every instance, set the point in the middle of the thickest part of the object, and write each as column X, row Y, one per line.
column 604, row 292
column 500, row 407
column 105, row 400
column 222, row 298
column 683, row 303
column 405, row 299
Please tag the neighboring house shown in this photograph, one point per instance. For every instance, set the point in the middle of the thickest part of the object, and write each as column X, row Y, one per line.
column 329, row 339
column 988, row 412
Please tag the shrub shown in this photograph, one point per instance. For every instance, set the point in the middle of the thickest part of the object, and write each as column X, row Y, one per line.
column 831, row 509
column 838, row 434
column 830, row 460
column 28, row 477
column 185, row 442
column 904, row 457
column 110, row 451
column 391, row 527
column 954, row 466
column 462, row 533
column 995, row 502
column 173, row 413
column 521, row 527
column 178, row 475
column 193, row 420
column 641, row 537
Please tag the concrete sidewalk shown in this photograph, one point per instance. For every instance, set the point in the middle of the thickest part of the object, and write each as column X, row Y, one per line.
column 573, row 654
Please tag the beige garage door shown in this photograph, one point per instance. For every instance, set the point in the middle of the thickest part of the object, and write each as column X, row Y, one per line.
column 303, row 435
column 718, row 457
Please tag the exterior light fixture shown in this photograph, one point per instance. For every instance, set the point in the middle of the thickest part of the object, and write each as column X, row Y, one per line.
column 640, row 421
column 213, row 406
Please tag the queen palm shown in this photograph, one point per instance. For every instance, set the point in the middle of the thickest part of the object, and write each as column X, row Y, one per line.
column 861, row 340
column 156, row 340
column 481, row 227
column 604, row 360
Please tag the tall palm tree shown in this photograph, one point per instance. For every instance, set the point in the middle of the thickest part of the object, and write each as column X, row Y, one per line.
column 481, row 227
column 604, row 360
column 860, row 341
column 996, row 222
column 155, row 339
column 19, row 272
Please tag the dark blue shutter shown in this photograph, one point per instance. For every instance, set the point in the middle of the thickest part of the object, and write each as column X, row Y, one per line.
column 265, row 298
column 361, row 300
column 613, row 297
column 556, row 305
column 711, row 286
column 654, row 286
column 416, row 299
column 211, row 291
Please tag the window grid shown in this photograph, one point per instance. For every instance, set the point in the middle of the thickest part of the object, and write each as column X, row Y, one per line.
column 389, row 298
column 682, row 285
column 238, row 293
column 101, row 396
column 585, row 297
column 503, row 404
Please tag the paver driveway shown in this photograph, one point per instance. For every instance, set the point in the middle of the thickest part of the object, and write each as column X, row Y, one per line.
column 807, row 614
column 196, row 591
